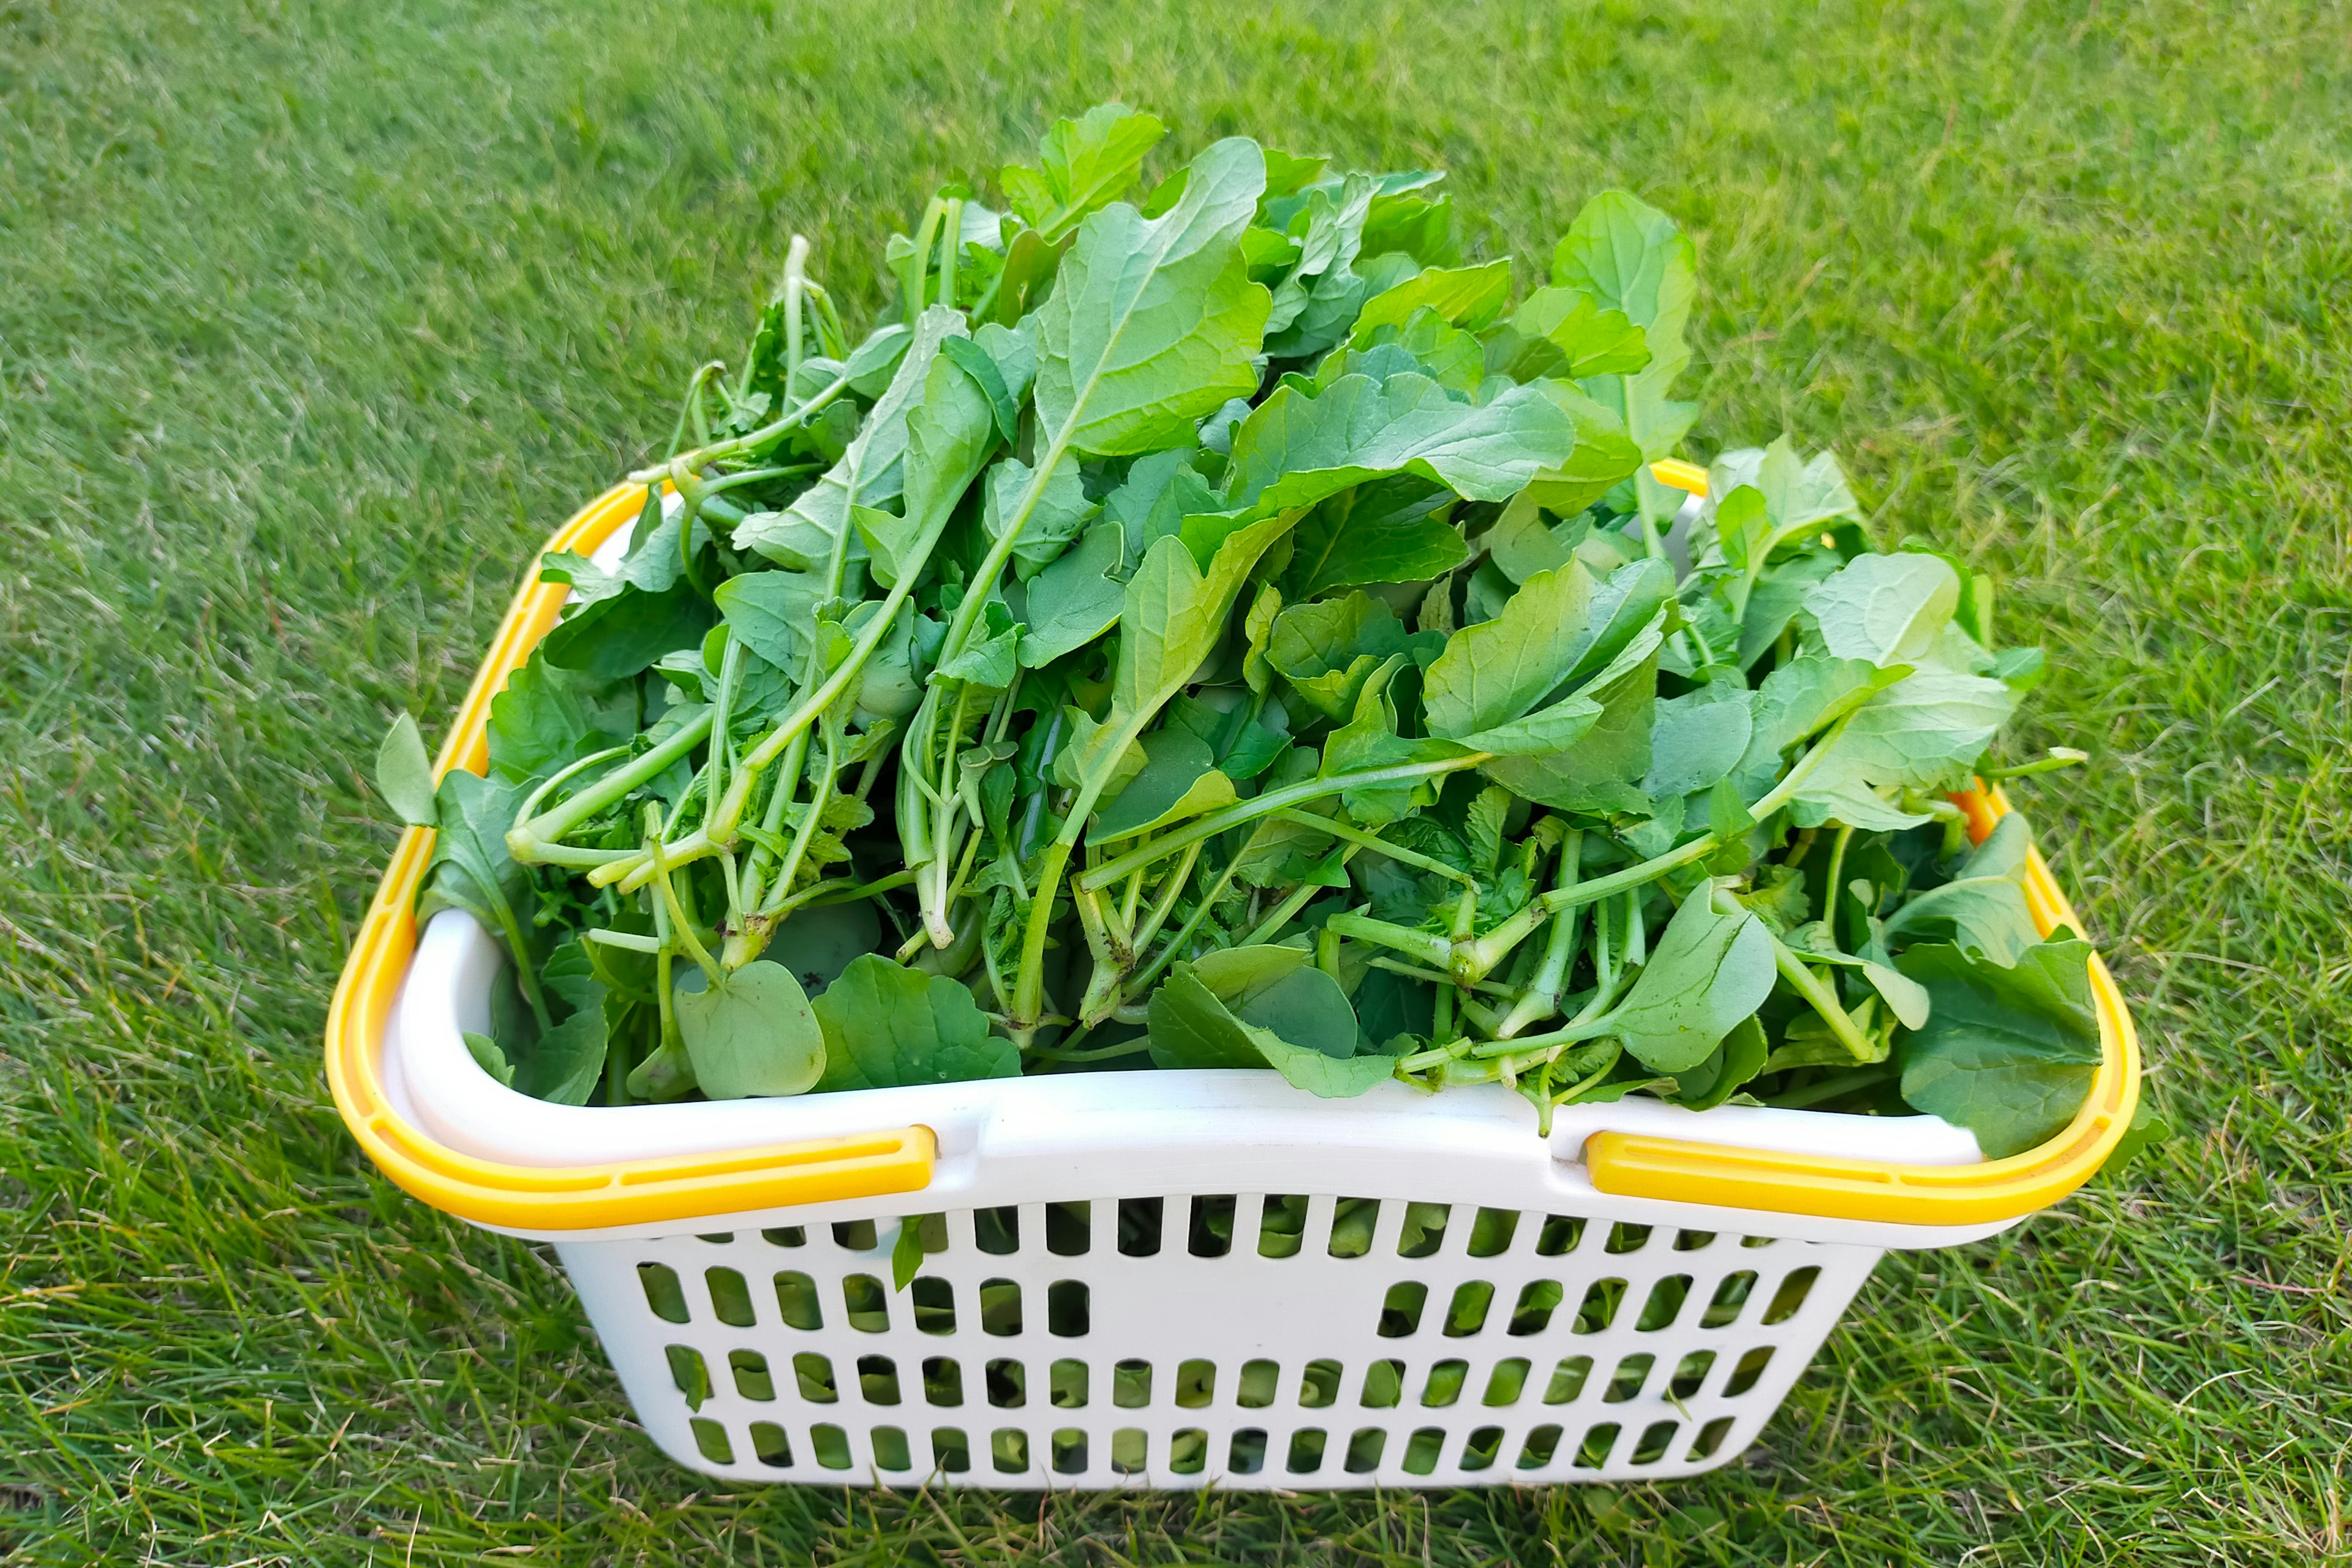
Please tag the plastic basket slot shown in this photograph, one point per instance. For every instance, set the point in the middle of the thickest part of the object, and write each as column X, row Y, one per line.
column 1188, row 1451
column 1306, row 1455
column 730, row 1298
column 1665, row 1303
column 830, row 1444
column 1008, row 1384
column 1383, row 1386
column 1258, row 1384
column 1542, row 1442
column 1506, row 1383
column 950, row 1450
column 1539, row 1299
column 796, row 1301
column 1008, row 1450
column 1690, row 1375
column 750, row 1370
column 1654, row 1439
column 1318, row 1384
column 878, row 1380
column 664, row 1297
column 1568, row 1379
column 812, row 1375
column 1466, row 1313
column 1130, row 1385
column 1478, row 1450
column 1750, row 1368
column 1631, row 1373
column 710, row 1441
column 1066, row 1385
column 770, row 1446
column 1364, row 1449
column 1248, row 1453
column 1790, row 1296
column 1710, row 1438
column 1444, row 1383
column 690, row 1373
column 1139, row 1226
column 866, row 1302
column 942, row 1382
column 1129, row 1450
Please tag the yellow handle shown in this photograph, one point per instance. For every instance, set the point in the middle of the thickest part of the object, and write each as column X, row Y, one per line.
column 568, row 1197
column 1638, row 1165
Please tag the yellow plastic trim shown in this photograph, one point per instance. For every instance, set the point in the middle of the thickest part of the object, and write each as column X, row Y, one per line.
column 1638, row 1165
column 570, row 1197
column 1676, row 474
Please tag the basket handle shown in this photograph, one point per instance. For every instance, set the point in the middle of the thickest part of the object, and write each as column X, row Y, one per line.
column 1634, row 1164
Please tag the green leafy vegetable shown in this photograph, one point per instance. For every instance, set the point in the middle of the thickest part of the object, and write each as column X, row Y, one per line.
column 1074, row 671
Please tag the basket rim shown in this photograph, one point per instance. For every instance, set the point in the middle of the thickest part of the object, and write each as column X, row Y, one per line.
column 596, row 1196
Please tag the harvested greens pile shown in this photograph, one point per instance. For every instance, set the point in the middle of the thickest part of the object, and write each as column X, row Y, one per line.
column 1227, row 633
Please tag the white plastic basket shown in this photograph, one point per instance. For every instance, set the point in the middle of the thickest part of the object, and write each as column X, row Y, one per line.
column 1107, row 1306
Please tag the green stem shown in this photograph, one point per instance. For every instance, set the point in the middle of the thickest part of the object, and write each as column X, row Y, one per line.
column 1821, row 998
column 1233, row 816
column 1834, row 1087
column 1837, row 869
column 716, row 451
column 1300, row 897
column 526, row 839
column 1364, row 840
column 1184, row 934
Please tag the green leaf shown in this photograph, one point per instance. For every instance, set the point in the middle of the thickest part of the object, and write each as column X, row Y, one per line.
column 1076, row 599
column 1260, row 1007
column 978, row 363
column 2009, row 1053
column 1154, row 322
column 470, row 869
column 773, row 613
column 1295, row 450
column 1086, row 163
column 1696, row 739
column 1983, row 911
column 1368, row 740
column 1569, row 332
column 548, row 718
column 1774, row 599
column 806, row 534
column 489, row 1058
column 1316, row 303
column 621, row 636
column 1630, row 257
column 1885, row 609
column 1061, row 512
column 1739, row 1057
column 1605, row 456
column 1556, row 633
column 752, row 1033
column 1327, row 650
column 886, row 1025
column 991, row 659
column 1386, row 531
column 1460, row 296
column 1710, row 971
column 403, row 774
column 949, row 435
column 568, row 1062
column 1925, row 732
column 1179, row 781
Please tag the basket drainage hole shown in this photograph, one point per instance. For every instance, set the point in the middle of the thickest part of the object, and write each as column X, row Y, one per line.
column 1065, row 1383
column 1065, row 1309
column 1602, row 1301
column 1542, row 1444
column 890, row 1450
column 1655, row 1439
column 1008, row 1384
column 1196, row 1384
column 934, row 1303
column 1491, row 1232
column 1632, row 1372
column 752, row 1379
column 785, row 1236
column 1212, row 1234
column 710, row 1442
column 868, row 1301
column 1130, row 1385
column 1364, row 1449
column 1258, row 1382
column 1008, row 1449
column 1594, row 1452
column 1445, row 1384
column 1383, row 1386
column 831, row 1445
column 1423, row 1231
column 1791, row 1294
column 950, row 1450
column 1282, row 1225
column 1422, row 1449
column 1354, row 1220
column 1691, row 1374
column 1568, row 1379
column 997, row 1231
column 1665, row 1304
column 942, row 1382
column 1139, row 1226
column 1539, row 1299
column 1560, row 1234
column 1069, row 1451
column 1750, row 1368
column 855, row 1236
column 1248, row 1456
column 1319, row 1385
column 813, row 1375
column 1188, row 1451
column 1127, row 1447
column 1507, row 1383
column 1466, row 1314
column 1000, row 1307
column 796, row 1301
column 1729, row 1297
column 1478, row 1452
column 768, row 1442
column 664, row 1295
column 1710, row 1438
column 878, row 1380
column 1066, row 1228
column 730, row 1297
column 1401, row 1309
column 1306, row 1451
column 690, row 1373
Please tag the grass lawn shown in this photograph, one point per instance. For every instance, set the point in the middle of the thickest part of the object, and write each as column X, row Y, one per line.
column 315, row 318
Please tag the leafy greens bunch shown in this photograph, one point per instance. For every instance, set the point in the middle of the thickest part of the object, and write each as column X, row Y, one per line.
column 1228, row 632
